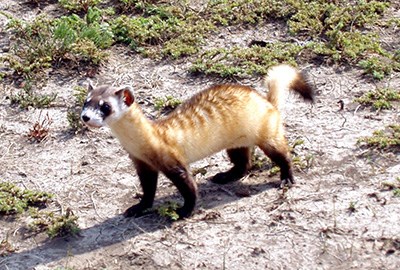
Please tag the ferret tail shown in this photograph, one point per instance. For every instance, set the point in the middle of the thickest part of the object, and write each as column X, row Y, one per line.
column 281, row 78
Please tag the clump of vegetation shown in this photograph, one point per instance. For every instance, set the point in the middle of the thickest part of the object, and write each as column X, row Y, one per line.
column 40, row 129
column 29, row 98
column 78, row 5
column 333, row 30
column 55, row 225
column 6, row 248
column 245, row 61
column 47, row 42
column 167, row 104
column 162, row 31
column 73, row 114
column 380, row 99
column 393, row 185
column 379, row 67
column 14, row 200
column 336, row 31
column 388, row 139
column 168, row 210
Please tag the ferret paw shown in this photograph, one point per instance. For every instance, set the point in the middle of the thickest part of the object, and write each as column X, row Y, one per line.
column 183, row 212
column 225, row 177
column 287, row 183
column 136, row 210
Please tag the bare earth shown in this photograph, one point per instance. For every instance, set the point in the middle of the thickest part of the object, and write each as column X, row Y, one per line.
column 250, row 224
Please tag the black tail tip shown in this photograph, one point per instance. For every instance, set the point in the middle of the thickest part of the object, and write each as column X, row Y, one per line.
column 303, row 86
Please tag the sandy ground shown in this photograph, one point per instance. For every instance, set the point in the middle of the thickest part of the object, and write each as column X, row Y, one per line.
column 250, row 224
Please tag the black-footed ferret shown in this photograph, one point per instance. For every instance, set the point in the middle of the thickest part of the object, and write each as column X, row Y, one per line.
column 232, row 117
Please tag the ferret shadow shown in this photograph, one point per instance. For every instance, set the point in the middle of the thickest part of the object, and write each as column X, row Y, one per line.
column 117, row 229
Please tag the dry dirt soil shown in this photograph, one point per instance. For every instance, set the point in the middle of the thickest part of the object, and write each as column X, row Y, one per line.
column 338, row 216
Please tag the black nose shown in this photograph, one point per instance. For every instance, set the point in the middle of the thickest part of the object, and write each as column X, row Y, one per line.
column 85, row 118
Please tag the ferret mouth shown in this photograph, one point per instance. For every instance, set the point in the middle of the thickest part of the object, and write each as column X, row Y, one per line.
column 92, row 125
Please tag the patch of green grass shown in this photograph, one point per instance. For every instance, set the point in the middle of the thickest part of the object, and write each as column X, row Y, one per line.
column 79, row 5
column 380, row 98
column 15, row 200
column 47, row 42
column 388, row 139
column 162, row 28
column 379, row 67
column 28, row 98
column 55, row 225
column 226, row 12
column 337, row 31
column 244, row 62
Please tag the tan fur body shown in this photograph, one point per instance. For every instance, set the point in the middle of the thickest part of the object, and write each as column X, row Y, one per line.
column 221, row 117
column 232, row 117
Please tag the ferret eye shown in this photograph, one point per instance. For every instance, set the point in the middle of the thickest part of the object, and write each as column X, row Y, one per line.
column 105, row 109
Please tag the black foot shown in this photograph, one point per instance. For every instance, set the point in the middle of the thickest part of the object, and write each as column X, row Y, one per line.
column 288, row 182
column 136, row 210
column 227, row 177
column 184, row 212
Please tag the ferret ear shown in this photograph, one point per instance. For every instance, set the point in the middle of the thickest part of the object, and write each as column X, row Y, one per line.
column 126, row 93
column 90, row 85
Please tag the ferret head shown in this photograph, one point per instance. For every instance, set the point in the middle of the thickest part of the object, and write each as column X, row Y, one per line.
column 106, row 104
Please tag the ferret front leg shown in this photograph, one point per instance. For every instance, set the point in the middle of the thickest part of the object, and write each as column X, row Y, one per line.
column 185, row 184
column 148, row 180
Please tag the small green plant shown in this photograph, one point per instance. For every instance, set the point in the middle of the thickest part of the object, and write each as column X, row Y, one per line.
column 273, row 171
column 393, row 185
column 15, row 200
column 380, row 99
column 55, row 225
column 200, row 170
column 167, row 104
column 6, row 248
column 378, row 67
column 73, row 113
column 352, row 207
column 388, row 139
column 169, row 210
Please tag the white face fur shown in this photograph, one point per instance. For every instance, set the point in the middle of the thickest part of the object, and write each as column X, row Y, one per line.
column 105, row 104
